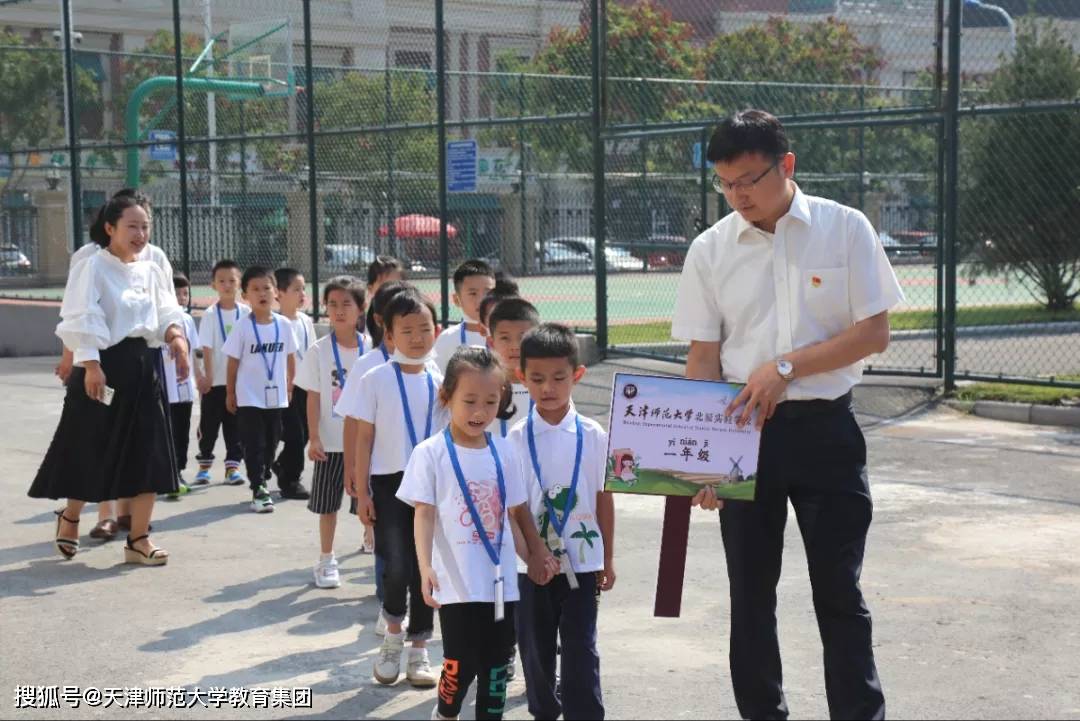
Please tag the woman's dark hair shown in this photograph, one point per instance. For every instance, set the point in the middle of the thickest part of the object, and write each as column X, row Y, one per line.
column 406, row 303
column 381, row 266
column 112, row 210
column 550, row 340
column 748, row 131
column 349, row 284
column 478, row 358
column 378, row 305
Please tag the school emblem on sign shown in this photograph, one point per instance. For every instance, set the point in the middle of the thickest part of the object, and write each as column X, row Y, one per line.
column 815, row 281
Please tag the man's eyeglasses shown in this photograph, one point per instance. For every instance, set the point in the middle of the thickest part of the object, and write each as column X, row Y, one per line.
column 722, row 186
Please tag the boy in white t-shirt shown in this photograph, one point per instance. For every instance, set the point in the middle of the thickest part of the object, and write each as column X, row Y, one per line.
column 262, row 365
column 217, row 323
column 566, row 458
column 289, row 466
column 508, row 322
column 471, row 508
column 182, row 393
column 473, row 280
column 323, row 375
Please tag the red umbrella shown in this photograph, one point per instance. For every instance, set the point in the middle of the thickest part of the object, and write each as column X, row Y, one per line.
column 417, row 226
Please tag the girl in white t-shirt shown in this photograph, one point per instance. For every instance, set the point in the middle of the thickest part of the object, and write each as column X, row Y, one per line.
column 396, row 409
column 471, row 504
column 322, row 374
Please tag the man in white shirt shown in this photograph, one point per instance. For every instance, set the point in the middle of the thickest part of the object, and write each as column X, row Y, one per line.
column 788, row 294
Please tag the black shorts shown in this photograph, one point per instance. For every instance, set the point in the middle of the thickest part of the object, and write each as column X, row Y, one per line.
column 328, row 484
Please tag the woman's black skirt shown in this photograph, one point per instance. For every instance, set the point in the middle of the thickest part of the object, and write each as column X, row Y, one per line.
column 105, row 452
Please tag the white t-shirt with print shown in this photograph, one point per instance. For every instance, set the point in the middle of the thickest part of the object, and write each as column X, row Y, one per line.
column 174, row 388
column 556, row 448
column 210, row 334
column 450, row 340
column 252, row 378
column 304, row 330
column 319, row 373
column 379, row 403
column 522, row 401
column 350, row 394
column 461, row 562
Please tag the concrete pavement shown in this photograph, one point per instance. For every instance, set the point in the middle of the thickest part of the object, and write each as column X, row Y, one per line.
column 971, row 574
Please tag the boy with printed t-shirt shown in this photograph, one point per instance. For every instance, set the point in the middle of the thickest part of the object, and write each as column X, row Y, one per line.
column 473, row 280
column 323, row 375
column 182, row 393
column 509, row 321
column 217, row 323
column 289, row 466
column 566, row 460
column 262, row 364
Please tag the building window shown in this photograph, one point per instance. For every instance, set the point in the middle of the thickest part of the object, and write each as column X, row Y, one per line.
column 417, row 59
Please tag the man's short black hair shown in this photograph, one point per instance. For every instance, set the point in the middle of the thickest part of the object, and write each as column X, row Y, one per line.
column 253, row 273
column 513, row 309
column 469, row 268
column 748, row 131
column 285, row 276
column 550, row 340
column 224, row 264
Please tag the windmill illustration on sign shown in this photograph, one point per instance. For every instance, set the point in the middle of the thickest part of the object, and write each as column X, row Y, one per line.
column 736, row 475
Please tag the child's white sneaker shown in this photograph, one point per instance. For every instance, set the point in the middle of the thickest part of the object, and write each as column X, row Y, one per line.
column 388, row 665
column 419, row 672
column 327, row 574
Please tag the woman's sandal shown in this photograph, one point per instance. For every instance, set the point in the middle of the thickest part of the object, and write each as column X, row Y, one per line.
column 156, row 557
column 67, row 547
column 105, row 530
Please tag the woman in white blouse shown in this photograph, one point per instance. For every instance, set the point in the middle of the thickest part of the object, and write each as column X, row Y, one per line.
column 113, row 439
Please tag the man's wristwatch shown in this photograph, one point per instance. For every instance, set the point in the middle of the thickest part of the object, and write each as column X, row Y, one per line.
column 785, row 369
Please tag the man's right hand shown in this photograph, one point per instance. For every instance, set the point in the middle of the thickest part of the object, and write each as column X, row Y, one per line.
column 706, row 498
column 365, row 507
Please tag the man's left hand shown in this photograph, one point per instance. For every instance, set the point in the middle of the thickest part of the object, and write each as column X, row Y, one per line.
column 762, row 392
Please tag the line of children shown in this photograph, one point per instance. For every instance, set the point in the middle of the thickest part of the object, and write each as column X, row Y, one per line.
column 386, row 428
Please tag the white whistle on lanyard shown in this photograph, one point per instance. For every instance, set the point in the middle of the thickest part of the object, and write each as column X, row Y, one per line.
column 500, row 595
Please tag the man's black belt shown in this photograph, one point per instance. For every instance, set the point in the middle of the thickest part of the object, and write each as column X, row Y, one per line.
column 816, row 407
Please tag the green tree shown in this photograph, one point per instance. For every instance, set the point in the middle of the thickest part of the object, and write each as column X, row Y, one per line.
column 31, row 100
column 1020, row 198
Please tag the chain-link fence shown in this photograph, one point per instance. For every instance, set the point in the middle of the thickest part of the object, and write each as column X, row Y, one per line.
column 311, row 134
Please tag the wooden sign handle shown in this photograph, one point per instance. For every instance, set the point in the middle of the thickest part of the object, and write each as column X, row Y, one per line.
column 673, row 543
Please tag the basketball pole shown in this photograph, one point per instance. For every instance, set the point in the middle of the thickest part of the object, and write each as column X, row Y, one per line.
column 211, row 104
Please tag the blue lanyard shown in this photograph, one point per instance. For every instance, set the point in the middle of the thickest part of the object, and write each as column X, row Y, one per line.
column 221, row 323
column 262, row 351
column 337, row 356
column 385, row 355
column 463, row 340
column 494, row 552
column 405, row 404
column 553, row 514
